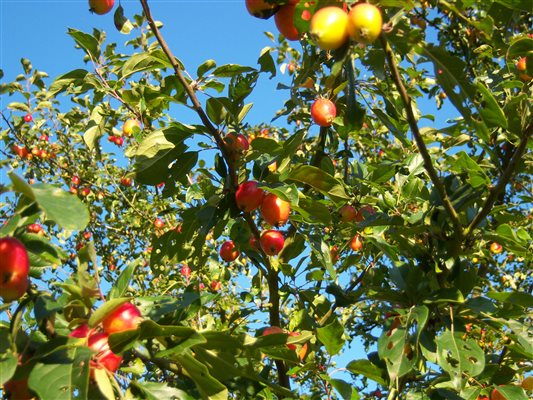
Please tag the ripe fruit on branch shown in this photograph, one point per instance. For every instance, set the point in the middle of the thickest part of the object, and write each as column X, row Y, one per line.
column 248, row 196
column 130, row 126
column 284, row 19
column 75, row 180
column 329, row 28
column 21, row 151
column 123, row 318
column 236, row 144
column 356, row 244
column 496, row 248
column 28, row 118
column 34, row 228
column 216, row 286
column 347, row 213
column 104, row 357
column 101, row 7
column 261, row 8
column 272, row 242
column 125, row 181
column 14, row 269
column 521, row 67
column 496, row 395
column 323, row 112
column 364, row 23
column 186, row 271
column 228, row 251
column 274, row 210
column 159, row 223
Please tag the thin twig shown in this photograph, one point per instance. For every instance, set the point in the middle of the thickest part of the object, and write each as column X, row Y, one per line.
column 411, row 119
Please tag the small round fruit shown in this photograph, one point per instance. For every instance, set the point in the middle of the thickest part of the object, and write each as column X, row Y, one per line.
column 356, row 244
column 261, row 8
column 75, row 180
column 237, row 145
column 329, row 28
column 119, row 141
column 272, row 330
column 85, row 191
column 272, row 242
column 323, row 112
column 347, row 213
column 104, row 357
column 248, row 196
column 28, row 118
column 364, row 23
column 496, row 248
column 186, row 271
column 274, row 210
column 125, row 181
column 521, row 67
column 130, row 126
column 496, row 395
column 80, row 332
column 14, row 269
column 228, row 251
column 159, row 223
column 101, row 7
column 284, row 19
column 123, row 318
column 216, row 286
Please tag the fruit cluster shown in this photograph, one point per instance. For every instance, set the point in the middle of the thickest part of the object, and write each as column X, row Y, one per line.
column 125, row 317
column 274, row 211
column 330, row 27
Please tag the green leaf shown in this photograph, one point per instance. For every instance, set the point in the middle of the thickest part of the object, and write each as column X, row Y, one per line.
column 60, row 206
column 448, row 295
column 62, row 381
column 122, row 24
column 206, row 66
column 396, row 350
column 209, row 387
column 319, row 180
column 368, row 369
column 230, row 70
column 158, row 391
column 121, row 285
column 142, row 62
column 104, row 384
column 460, row 358
column 87, row 42
column 63, row 82
column 158, row 150
column 522, row 299
column 8, row 364
column 105, row 309
column 346, row 390
column 331, row 337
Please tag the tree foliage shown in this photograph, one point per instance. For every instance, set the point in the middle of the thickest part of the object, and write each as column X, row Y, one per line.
column 438, row 293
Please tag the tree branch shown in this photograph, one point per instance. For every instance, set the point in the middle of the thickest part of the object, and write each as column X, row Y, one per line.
column 494, row 191
column 428, row 163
